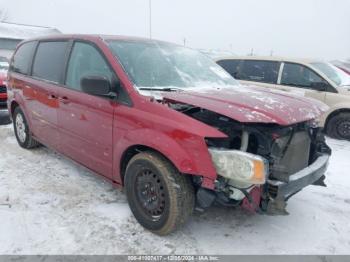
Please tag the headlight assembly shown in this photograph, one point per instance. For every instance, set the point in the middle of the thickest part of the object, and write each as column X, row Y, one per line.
column 240, row 166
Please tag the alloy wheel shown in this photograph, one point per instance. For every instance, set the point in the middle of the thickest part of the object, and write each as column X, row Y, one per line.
column 21, row 128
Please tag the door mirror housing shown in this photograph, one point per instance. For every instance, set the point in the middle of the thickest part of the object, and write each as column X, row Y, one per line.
column 96, row 85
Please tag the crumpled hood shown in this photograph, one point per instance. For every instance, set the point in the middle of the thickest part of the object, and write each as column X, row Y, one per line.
column 251, row 104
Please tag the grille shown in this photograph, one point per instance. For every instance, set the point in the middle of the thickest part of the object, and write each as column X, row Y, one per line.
column 291, row 155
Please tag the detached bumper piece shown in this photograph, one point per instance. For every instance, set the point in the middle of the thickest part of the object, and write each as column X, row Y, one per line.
column 280, row 191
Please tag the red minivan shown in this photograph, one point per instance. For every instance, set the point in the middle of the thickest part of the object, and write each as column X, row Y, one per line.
column 165, row 122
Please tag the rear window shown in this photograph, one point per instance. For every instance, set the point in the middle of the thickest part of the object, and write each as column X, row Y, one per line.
column 22, row 58
column 259, row 71
column 231, row 66
column 49, row 61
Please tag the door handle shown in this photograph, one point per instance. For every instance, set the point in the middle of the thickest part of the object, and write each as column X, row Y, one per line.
column 64, row 100
column 52, row 97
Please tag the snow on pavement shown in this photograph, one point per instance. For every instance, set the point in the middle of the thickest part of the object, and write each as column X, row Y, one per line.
column 50, row 205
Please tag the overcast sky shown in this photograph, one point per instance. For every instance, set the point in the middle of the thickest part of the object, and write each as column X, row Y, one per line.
column 299, row 28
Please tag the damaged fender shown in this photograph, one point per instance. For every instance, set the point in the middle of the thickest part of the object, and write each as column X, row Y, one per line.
column 184, row 146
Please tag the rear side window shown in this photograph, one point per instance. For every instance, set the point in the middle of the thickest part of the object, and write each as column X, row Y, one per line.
column 259, row 71
column 22, row 58
column 231, row 66
column 49, row 61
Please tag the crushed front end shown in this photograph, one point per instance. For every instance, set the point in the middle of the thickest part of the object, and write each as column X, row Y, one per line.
column 260, row 166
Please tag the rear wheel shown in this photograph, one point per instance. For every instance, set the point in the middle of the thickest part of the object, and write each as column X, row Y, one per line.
column 339, row 126
column 160, row 198
column 22, row 132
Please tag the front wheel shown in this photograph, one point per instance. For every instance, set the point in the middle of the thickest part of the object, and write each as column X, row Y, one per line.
column 339, row 126
column 160, row 198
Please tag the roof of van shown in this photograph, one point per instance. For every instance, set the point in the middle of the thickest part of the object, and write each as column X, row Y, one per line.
column 270, row 58
column 92, row 37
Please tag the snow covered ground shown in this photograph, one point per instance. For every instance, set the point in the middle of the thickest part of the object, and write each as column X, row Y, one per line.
column 50, row 205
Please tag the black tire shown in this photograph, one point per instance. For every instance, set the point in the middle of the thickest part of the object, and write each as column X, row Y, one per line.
column 28, row 141
column 339, row 126
column 172, row 198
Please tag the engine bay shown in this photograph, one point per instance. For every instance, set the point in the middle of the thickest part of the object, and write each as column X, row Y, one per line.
column 287, row 149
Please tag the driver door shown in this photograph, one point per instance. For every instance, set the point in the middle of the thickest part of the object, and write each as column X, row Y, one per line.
column 86, row 121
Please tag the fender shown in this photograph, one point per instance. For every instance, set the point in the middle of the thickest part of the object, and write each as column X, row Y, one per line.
column 344, row 106
column 189, row 157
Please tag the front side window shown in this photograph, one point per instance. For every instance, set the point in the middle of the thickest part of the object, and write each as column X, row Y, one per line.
column 154, row 64
column 300, row 76
column 22, row 58
column 86, row 60
column 259, row 71
column 49, row 61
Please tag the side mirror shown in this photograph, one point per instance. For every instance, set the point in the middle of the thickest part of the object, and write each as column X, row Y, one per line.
column 96, row 85
column 319, row 86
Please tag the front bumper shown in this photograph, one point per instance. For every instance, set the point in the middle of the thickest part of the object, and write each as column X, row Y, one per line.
column 313, row 174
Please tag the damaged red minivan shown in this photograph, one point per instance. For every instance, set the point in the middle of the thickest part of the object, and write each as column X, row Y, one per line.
column 166, row 123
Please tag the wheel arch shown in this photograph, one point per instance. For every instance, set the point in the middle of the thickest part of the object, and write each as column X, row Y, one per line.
column 133, row 150
column 13, row 106
column 187, row 152
column 334, row 113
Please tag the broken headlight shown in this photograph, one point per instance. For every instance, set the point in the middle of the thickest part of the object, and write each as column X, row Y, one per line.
column 240, row 166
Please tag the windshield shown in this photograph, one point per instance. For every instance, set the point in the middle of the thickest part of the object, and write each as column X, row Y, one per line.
column 155, row 64
column 339, row 77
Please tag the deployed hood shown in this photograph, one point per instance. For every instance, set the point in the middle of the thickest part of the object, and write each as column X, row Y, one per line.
column 250, row 104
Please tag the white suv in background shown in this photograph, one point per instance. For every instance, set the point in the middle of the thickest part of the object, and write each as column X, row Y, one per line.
column 310, row 78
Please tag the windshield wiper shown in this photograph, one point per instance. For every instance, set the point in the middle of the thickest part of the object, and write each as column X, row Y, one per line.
column 165, row 89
